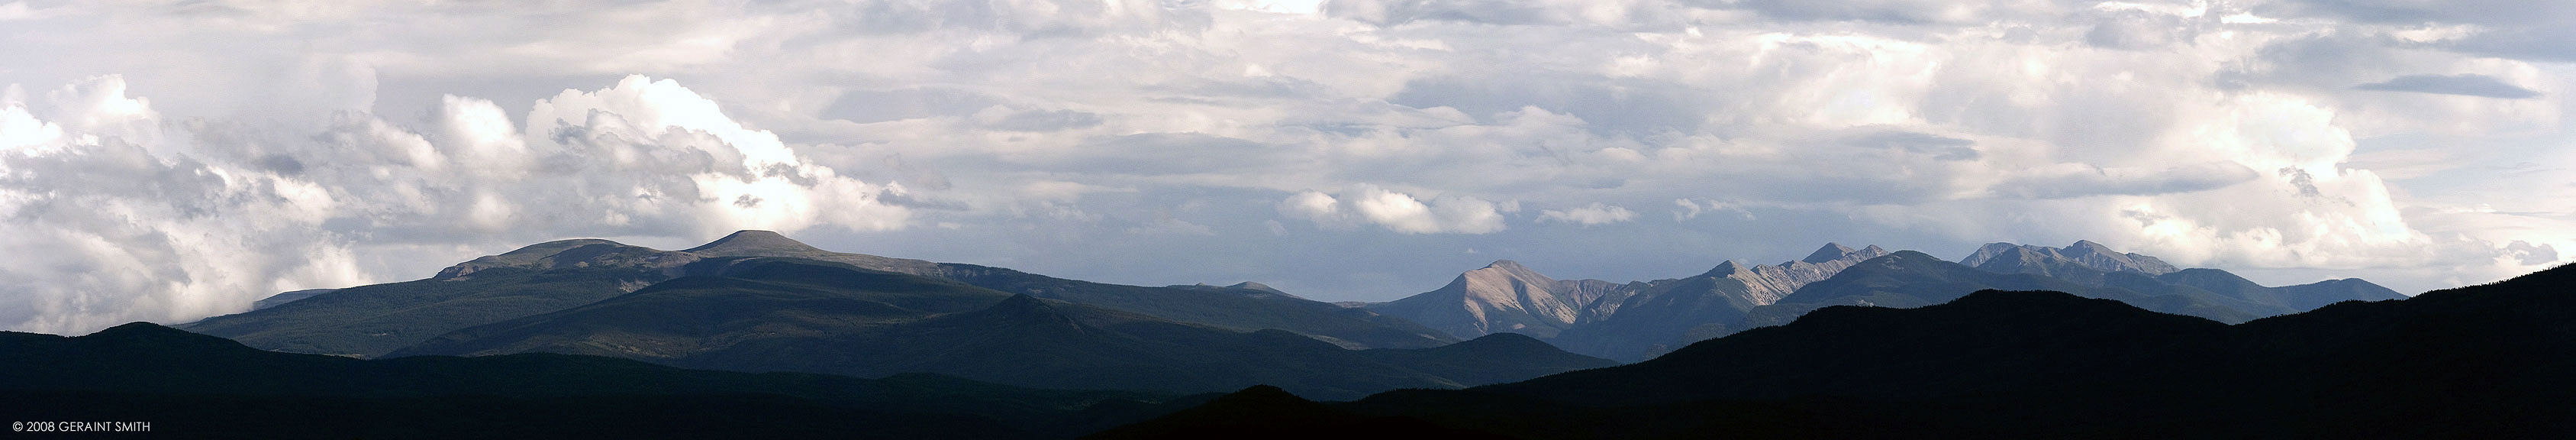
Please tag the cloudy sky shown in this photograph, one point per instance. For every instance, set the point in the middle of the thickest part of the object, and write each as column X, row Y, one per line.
column 167, row 161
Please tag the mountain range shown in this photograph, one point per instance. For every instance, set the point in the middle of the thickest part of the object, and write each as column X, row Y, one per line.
column 1639, row 320
column 758, row 302
column 592, row 337
column 2485, row 361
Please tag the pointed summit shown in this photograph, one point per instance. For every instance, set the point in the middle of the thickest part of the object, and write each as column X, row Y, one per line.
column 754, row 243
column 1727, row 268
column 1511, row 270
column 1988, row 252
column 1503, row 296
column 1831, row 252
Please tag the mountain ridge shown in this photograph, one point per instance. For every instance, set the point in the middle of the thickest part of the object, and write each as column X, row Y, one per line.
column 763, row 314
column 561, row 274
column 1638, row 320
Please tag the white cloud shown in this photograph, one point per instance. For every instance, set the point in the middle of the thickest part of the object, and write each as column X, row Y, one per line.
column 1691, row 209
column 172, row 222
column 129, row 235
column 2246, row 18
column 1315, row 206
column 1593, row 215
column 1394, row 211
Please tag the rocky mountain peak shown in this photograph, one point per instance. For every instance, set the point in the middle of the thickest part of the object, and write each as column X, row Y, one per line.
column 2010, row 258
column 1839, row 252
column 1765, row 284
column 1730, row 267
column 1831, row 252
column 2088, row 246
column 1505, row 272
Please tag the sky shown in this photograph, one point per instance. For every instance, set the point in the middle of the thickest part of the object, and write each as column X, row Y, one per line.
column 167, row 161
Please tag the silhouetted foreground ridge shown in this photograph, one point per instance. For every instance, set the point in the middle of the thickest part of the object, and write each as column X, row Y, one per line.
column 2491, row 361
column 196, row 386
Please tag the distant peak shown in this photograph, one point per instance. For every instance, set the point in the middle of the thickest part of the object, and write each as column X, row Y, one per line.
column 1989, row 252
column 1511, row 269
column 1248, row 285
column 1729, row 267
column 1831, row 252
column 750, row 242
column 2008, row 257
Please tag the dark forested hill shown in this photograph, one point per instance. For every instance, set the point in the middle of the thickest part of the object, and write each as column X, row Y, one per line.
column 2477, row 362
column 196, row 386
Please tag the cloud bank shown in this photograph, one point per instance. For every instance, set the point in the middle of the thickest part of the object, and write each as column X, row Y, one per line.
column 163, row 221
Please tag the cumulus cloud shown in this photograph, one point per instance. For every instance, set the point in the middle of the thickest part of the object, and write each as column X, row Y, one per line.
column 170, row 222
column 1394, row 211
column 129, row 233
column 1691, row 209
column 1315, row 206
column 1592, row 215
